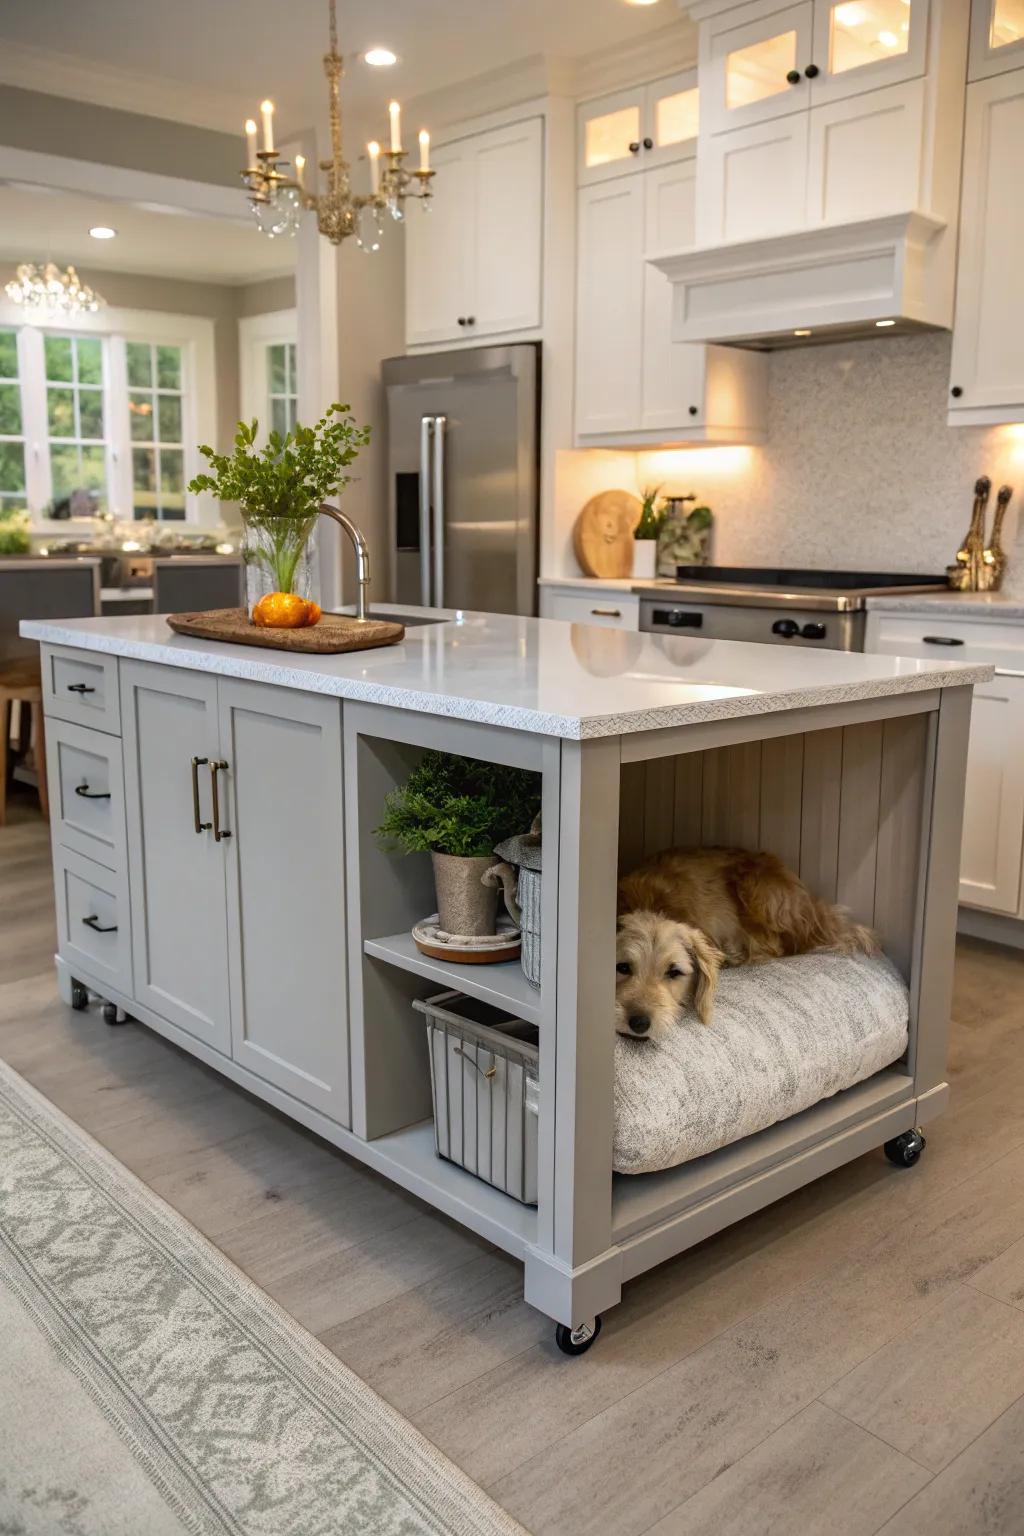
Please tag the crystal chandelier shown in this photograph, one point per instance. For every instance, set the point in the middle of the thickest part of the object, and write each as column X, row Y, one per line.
column 278, row 199
column 48, row 291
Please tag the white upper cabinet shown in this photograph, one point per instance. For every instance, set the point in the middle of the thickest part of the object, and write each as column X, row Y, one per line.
column 473, row 263
column 997, row 37
column 637, row 129
column 753, row 180
column 610, row 296
column 987, row 365
column 752, row 60
column 861, row 45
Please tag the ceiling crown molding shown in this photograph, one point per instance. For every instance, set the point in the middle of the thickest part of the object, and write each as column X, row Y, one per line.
column 664, row 52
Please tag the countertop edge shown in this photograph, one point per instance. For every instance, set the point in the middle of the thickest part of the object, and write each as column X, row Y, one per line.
column 991, row 607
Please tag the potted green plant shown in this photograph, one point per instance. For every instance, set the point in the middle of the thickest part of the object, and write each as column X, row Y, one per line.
column 646, row 534
column 14, row 531
column 279, row 488
column 458, row 809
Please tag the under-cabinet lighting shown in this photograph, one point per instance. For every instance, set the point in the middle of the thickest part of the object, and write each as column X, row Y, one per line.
column 882, row 323
column 801, row 333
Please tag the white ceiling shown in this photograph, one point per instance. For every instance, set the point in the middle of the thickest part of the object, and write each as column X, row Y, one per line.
column 211, row 61
column 37, row 224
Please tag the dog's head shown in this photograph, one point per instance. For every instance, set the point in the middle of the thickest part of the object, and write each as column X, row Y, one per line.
column 661, row 966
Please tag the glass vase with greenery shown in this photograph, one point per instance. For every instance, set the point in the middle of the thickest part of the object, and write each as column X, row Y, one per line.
column 279, row 488
column 458, row 809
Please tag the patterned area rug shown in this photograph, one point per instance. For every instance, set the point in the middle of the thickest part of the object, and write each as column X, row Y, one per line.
column 150, row 1389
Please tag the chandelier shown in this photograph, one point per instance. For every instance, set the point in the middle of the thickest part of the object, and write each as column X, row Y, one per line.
column 278, row 199
column 48, row 291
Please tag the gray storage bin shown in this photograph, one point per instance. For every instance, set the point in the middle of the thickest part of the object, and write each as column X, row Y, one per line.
column 484, row 1077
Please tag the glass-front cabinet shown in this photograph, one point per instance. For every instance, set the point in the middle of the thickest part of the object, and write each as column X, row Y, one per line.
column 997, row 37
column 638, row 129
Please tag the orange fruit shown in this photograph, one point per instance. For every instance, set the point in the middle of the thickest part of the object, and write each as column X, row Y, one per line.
column 281, row 610
column 315, row 611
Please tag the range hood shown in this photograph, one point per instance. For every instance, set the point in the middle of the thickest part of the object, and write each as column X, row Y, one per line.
column 829, row 281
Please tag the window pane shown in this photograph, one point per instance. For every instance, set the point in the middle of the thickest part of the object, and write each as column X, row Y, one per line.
column 754, row 73
column 60, row 404
column 140, row 417
column 144, row 469
column 277, row 369
column 64, row 466
column 168, row 367
column 10, row 409
column 279, row 415
column 8, row 355
column 90, row 360
column 172, row 478
column 608, row 137
column 676, row 117
column 292, row 411
column 140, row 364
column 864, row 31
column 90, row 413
column 1007, row 26
column 169, row 412
column 58, row 357
column 94, row 471
column 12, row 467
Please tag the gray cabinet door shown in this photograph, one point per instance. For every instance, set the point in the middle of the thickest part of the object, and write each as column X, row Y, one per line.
column 282, row 792
column 179, row 920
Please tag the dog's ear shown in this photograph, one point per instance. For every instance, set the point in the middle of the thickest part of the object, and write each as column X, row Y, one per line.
column 708, row 960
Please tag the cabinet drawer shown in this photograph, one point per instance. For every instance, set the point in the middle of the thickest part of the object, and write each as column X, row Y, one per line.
column 611, row 610
column 93, row 921
column 81, row 686
column 949, row 639
column 86, row 781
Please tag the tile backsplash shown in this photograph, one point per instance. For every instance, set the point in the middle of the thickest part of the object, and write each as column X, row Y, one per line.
column 860, row 470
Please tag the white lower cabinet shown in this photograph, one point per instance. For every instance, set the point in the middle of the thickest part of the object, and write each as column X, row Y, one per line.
column 990, row 862
column 604, row 607
column 237, row 880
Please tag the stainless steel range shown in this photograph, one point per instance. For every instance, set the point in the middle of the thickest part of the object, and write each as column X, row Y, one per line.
column 822, row 608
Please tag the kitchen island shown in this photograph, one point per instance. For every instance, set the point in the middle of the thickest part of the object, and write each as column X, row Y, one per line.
column 218, row 879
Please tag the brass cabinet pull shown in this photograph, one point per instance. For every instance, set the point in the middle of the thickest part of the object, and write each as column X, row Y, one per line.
column 607, row 613
column 218, row 832
column 94, row 923
column 200, row 826
column 86, row 793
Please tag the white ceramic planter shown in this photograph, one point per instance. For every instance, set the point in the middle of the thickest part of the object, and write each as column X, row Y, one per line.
column 645, row 557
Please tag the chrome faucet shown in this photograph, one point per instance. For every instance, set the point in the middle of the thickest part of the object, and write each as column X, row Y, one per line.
column 362, row 556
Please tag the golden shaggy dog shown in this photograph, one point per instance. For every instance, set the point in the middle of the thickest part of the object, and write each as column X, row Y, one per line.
column 691, row 910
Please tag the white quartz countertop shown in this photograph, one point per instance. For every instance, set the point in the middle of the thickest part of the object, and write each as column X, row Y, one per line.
column 964, row 605
column 540, row 675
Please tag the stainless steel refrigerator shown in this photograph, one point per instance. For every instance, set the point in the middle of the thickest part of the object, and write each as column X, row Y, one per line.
column 463, row 476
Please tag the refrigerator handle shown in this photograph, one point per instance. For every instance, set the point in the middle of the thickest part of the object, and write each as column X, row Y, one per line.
column 426, row 428
column 440, row 423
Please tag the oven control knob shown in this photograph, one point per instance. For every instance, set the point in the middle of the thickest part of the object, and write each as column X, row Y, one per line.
column 813, row 632
column 675, row 618
column 787, row 628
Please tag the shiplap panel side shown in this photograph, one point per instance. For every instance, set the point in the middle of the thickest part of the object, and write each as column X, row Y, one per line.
column 819, row 826
column 731, row 810
column 858, row 819
column 689, row 774
column 782, row 777
column 903, row 769
column 659, row 806
column 632, row 804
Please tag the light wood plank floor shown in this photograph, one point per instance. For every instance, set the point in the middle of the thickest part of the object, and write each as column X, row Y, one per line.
column 849, row 1361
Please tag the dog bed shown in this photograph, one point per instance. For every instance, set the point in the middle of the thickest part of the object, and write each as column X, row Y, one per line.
column 783, row 1035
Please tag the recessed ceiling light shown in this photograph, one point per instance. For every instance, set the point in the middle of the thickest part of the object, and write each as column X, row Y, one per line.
column 801, row 333
column 881, row 323
column 380, row 58
column 641, row 2
column 102, row 232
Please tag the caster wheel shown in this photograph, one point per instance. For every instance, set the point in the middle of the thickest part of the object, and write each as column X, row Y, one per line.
column 905, row 1150
column 79, row 996
column 576, row 1341
column 112, row 1014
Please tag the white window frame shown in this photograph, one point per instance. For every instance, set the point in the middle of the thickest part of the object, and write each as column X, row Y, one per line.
column 192, row 333
column 256, row 334
column 15, row 437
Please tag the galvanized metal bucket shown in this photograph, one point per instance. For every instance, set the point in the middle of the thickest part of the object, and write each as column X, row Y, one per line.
column 520, row 877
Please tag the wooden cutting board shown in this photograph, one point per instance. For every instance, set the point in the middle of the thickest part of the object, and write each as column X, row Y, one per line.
column 333, row 634
column 603, row 534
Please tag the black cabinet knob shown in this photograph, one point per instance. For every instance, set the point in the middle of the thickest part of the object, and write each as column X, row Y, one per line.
column 462, row 319
column 793, row 77
column 471, row 319
column 956, row 391
column 693, row 410
column 648, row 143
column 634, row 148
column 787, row 628
column 812, row 71
column 813, row 632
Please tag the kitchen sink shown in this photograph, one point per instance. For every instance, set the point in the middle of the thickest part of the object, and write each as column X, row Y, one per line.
column 408, row 619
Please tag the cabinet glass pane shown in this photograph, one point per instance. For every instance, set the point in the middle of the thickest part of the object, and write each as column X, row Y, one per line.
column 1007, row 25
column 864, row 31
column 753, row 73
column 608, row 138
column 676, row 117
